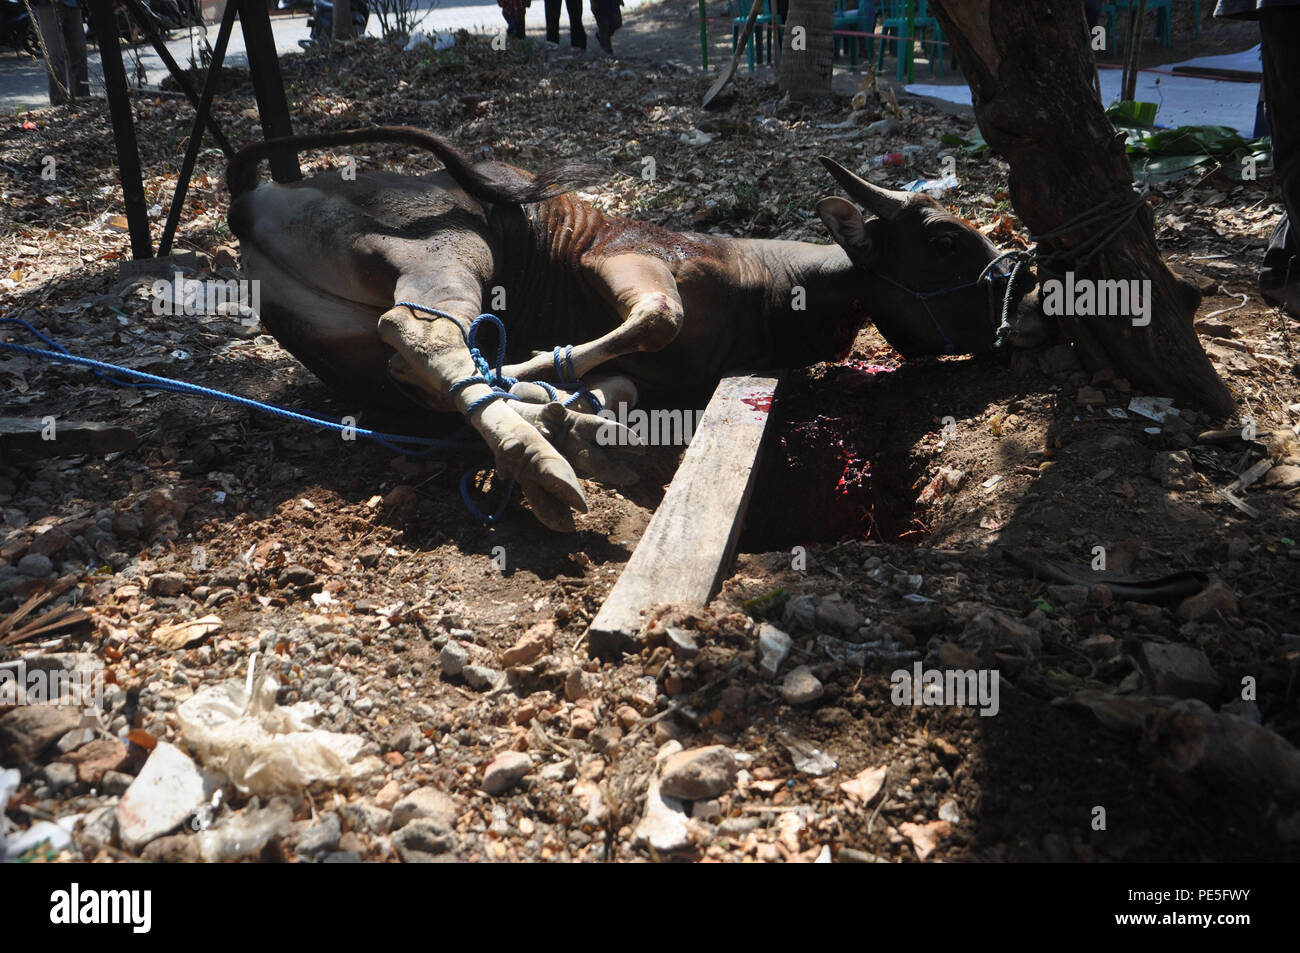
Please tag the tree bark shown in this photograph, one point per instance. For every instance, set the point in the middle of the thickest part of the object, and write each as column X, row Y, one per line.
column 1030, row 69
column 342, row 28
column 807, row 51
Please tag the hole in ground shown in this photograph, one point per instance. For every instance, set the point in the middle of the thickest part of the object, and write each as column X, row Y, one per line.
column 833, row 467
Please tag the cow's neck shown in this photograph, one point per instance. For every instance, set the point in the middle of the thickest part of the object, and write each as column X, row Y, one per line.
column 792, row 290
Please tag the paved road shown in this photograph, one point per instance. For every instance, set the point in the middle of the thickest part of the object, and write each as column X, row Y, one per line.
column 23, row 83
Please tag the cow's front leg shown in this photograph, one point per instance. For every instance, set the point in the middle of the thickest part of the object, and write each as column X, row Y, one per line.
column 644, row 293
column 433, row 349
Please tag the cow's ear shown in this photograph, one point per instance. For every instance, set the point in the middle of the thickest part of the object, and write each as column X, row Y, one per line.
column 846, row 226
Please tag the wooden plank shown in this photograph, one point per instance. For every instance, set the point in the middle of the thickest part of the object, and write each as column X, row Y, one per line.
column 692, row 536
column 25, row 437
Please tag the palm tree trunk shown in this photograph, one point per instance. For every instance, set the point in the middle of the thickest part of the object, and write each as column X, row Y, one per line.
column 807, row 54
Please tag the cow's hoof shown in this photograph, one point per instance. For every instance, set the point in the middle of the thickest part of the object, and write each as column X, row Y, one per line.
column 588, row 442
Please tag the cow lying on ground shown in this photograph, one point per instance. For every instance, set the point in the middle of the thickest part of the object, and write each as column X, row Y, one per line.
column 653, row 309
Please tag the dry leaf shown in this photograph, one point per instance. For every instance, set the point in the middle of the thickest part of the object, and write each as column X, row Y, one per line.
column 866, row 784
column 181, row 634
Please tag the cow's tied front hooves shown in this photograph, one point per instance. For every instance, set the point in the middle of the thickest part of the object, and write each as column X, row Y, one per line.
column 590, row 443
column 549, row 483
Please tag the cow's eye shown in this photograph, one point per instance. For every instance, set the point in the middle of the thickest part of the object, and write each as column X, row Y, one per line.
column 944, row 243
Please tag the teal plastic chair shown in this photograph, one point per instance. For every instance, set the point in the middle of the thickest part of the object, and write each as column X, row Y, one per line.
column 760, row 44
column 859, row 16
column 934, row 46
column 1110, row 17
column 897, row 20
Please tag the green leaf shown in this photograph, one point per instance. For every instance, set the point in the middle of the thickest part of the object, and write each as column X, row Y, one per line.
column 1133, row 113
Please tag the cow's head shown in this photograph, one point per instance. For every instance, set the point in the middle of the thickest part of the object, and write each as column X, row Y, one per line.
column 922, row 265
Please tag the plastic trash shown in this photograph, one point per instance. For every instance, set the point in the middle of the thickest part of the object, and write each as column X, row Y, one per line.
column 933, row 186
column 245, row 833
column 58, row 833
column 807, row 757
column 237, row 730
column 439, row 41
column 1154, row 408
column 888, row 160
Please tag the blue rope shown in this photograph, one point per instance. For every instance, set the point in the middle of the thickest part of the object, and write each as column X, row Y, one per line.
column 410, row 446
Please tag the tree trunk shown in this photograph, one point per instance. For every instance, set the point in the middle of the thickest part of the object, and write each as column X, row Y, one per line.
column 807, row 51
column 342, row 31
column 1031, row 82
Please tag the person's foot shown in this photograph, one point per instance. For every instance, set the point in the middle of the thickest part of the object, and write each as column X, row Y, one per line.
column 603, row 40
column 1286, row 297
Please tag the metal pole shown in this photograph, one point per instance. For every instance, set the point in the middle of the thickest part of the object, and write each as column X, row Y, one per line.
column 119, row 108
column 268, row 86
column 196, row 133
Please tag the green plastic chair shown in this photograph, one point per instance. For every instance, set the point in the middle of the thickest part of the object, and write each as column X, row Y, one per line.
column 760, row 43
column 860, row 16
column 934, row 45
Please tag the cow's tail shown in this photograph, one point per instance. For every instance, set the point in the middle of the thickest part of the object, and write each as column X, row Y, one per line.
column 504, row 185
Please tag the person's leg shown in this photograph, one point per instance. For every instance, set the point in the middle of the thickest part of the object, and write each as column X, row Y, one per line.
column 74, row 39
column 47, row 21
column 577, row 33
column 552, row 21
column 1279, row 30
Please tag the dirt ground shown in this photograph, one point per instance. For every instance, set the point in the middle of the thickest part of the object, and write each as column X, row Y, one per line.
column 1128, row 727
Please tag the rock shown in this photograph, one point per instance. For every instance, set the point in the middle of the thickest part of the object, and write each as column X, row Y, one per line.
column 575, row 685
column 98, row 830
column 366, row 817
column 948, row 752
column 454, row 657
column 296, row 576
column 322, row 837
column 606, row 739
column 29, row 729
column 115, row 783
column 506, row 770
column 801, row 687
column 246, row 833
column 59, row 776
column 167, row 791
column 1173, row 469
column 800, row 614
column 682, row 643
column 174, row 849
column 408, row 737
column 1069, row 597
column 530, row 645
column 50, row 543
column 663, row 825
column 422, row 841
column 1217, row 596
column 1004, row 630
column 429, row 804
column 342, row 857
column 1090, row 397
column 36, row 565
column 1182, row 670
column 224, row 256
column 837, row 615
column 1283, row 477
column 481, row 678
column 582, row 722
column 773, row 647
column 166, row 584
column 698, row 773
column 388, row 796
column 94, row 760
